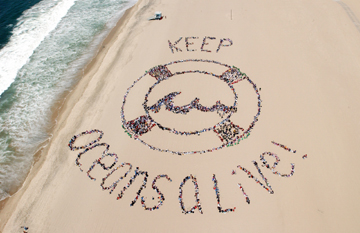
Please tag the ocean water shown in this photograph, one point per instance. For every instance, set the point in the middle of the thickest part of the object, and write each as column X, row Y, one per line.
column 43, row 46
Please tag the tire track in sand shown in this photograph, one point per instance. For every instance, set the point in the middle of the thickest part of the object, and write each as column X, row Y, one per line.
column 350, row 13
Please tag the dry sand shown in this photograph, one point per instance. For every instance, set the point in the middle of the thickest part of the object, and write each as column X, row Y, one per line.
column 304, row 55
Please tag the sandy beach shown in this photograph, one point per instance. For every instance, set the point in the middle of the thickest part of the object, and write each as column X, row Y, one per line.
column 286, row 74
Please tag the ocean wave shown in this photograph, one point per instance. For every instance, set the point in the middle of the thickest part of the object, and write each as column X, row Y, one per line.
column 32, row 27
column 49, row 71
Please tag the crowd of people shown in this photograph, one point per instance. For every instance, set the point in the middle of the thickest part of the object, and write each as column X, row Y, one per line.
column 126, row 131
column 238, row 141
column 161, row 72
column 266, row 185
column 167, row 100
column 114, row 184
column 171, row 46
column 229, row 134
column 137, row 173
column 228, row 131
column 283, row 146
column 198, row 205
column 277, row 160
column 98, row 161
column 217, row 192
column 91, row 145
column 94, row 143
column 112, row 187
column 140, row 125
column 247, row 199
column 224, row 45
column 232, row 75
column 161, row 196
column 221, row 109
column 187, row 43
column 72, row 140
column 204, row 43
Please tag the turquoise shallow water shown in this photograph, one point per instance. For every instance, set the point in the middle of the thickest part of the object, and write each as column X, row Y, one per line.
column 49, row 43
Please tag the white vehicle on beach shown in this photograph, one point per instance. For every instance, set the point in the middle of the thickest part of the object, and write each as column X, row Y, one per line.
column 158, row 16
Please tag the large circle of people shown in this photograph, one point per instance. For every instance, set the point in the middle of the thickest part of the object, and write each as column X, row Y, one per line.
column 229, row 133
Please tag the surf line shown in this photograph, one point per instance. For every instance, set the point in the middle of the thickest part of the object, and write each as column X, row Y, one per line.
column 161, row 198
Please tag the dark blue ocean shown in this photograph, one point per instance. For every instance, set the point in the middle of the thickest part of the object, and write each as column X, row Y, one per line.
column 43, row 46
column 10, row 11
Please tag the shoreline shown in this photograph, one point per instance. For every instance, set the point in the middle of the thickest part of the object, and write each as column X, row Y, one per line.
column 314, row 114
column 61, row 111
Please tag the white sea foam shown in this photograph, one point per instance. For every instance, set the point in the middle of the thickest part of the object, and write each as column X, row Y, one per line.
column 48, row 71
column 32, row 27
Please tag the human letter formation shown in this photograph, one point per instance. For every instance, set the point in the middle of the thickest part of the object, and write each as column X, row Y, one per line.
column 217, row 192
column 93, row 144
column 196, row 195
column 283, row 146
column 266, row 185
column 173, row 46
